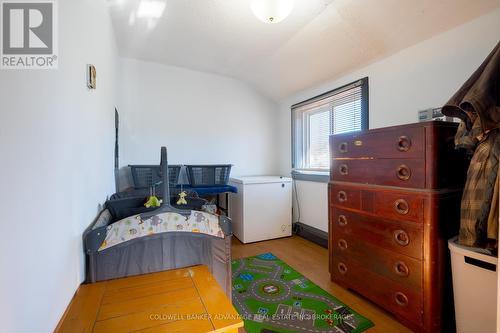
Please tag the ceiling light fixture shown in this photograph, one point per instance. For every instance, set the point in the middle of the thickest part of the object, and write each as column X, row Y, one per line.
column 151, row 9
column 272, row 11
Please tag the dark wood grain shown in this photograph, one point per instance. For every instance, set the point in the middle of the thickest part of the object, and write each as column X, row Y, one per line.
column 379, row 144
column 380, row 290
column 347, row 196
column 392, row 265
column 382, row 202
column 423, row 210
column 390, row 172
column 379, row 231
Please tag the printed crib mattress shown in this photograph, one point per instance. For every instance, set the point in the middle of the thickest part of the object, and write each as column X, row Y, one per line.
column 135, row 227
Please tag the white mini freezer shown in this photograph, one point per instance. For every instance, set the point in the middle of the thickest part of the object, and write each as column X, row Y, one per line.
column 262, row 208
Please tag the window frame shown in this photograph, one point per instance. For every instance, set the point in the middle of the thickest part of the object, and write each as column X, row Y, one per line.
column 316, row 102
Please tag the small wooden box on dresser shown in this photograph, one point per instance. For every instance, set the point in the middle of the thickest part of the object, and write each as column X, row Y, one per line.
column 394, row 201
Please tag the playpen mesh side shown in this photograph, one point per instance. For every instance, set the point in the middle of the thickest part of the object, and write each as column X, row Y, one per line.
column 146, row 176
column 208, row 175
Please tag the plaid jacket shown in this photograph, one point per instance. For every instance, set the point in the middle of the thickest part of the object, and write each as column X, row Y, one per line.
column 477, row 103
column 479, row 212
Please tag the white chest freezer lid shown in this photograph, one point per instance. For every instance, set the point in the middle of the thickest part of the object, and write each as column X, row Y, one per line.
column 260, row 180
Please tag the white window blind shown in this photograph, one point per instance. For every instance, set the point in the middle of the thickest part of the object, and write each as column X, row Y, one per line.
column 339, row 111
column 318, row 133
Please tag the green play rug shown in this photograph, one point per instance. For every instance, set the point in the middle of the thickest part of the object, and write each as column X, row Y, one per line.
column 273, row 297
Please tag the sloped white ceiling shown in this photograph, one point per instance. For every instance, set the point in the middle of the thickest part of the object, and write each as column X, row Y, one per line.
column 319, row 41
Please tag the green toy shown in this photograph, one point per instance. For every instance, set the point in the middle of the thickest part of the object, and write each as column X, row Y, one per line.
column 153, row 200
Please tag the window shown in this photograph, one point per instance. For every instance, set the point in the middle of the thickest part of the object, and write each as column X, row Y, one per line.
column 341, row 110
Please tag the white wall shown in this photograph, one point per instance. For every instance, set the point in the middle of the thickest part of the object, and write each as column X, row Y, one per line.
column 309, row 202
column 200, row 117
column 422, row 76
column 56, row 148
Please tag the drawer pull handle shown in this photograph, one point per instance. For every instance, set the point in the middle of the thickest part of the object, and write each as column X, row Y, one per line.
column 401, row 206
column 404, row 143
column 343, row 169
column 342, row 244
column 342, row 220
column 401, row 237
column 342, row 196
column 404, row 172
column 342, row 268
column 401, row 269
column 343, row 147
column 401, row 299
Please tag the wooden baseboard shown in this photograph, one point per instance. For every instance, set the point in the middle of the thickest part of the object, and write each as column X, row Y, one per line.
column 312, row 234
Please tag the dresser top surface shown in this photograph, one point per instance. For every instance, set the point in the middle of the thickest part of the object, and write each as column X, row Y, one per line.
column 426, row 124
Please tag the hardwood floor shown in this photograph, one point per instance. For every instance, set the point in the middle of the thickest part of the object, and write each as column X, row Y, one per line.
column 181, row 300
column 312, row 261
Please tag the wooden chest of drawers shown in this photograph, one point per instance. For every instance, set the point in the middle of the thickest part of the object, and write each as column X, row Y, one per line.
column 394, row 200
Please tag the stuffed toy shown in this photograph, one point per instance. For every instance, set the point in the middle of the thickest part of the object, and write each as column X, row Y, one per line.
column 153, row 201
column 182, row 198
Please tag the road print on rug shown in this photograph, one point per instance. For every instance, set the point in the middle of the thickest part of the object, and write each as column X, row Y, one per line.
column 274, row 298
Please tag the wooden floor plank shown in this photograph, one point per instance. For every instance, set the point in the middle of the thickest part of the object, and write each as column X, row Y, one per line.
column 144, row 303
column 82, row 311
column 151, row 317
column 170, row 301
column 138, row 280
column 382, row 320
column 182, row 326
column 223, row 314
column 126, row 294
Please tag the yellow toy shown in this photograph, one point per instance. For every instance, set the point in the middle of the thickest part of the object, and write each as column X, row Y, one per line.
column 182, row 198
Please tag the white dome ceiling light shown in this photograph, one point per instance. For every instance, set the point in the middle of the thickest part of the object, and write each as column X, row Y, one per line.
column 272, row 11
column 151, row 9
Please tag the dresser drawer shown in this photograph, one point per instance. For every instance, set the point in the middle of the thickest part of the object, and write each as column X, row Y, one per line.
column 403, row 301
column 392, row 265
column 345, row 196
column 398, row 236
column 385, row 203
column 393, row 204
column 389, row 172
column 397, row 143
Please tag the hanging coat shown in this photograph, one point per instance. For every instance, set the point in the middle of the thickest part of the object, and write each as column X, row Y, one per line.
column 477, row 104
column 479, row 95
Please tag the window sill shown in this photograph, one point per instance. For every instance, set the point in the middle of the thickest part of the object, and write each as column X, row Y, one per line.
column 311, row 176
